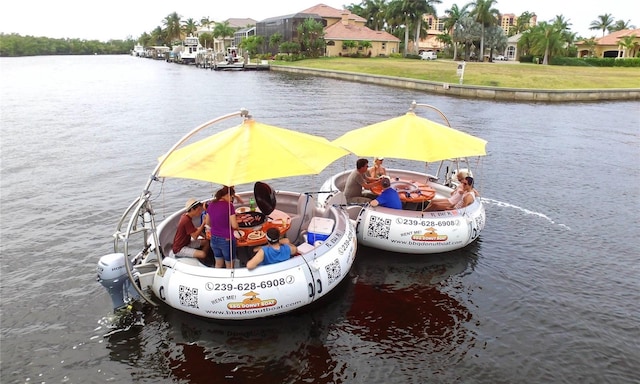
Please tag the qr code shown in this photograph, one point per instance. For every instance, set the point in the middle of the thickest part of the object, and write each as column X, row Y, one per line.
column 333, row 271
column 379, row 227
column 188, row 296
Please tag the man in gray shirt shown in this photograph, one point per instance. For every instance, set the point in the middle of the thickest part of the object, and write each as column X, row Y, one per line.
column 358, row 180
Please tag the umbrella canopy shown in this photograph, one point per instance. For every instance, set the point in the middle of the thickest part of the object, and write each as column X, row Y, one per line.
column 413, row 138
column 250, row 152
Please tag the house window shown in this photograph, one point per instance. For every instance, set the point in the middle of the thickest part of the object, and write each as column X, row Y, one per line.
column 384, row 46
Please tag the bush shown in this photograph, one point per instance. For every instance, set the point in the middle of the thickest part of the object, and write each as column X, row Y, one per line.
column 569, row 61
column 611, row 62
column 526, row 59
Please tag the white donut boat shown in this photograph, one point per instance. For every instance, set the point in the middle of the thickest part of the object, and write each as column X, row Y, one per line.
column 153, row 273
column 239, row 293
column 409, row 230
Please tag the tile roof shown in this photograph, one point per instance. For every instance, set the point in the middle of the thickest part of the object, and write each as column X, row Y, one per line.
column 326, row 11
column 339, row 31
column 612, row 38
column 240, row 23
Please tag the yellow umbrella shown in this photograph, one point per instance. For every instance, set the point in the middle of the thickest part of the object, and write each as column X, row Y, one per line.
column 251, row 152
column 413, row 138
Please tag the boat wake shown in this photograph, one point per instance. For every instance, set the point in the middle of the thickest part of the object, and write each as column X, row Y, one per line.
column 524, row 210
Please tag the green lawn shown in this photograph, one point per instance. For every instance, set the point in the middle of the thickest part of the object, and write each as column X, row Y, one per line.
column 498, row 74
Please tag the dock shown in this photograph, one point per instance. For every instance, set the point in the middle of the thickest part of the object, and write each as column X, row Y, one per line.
column 240, row 66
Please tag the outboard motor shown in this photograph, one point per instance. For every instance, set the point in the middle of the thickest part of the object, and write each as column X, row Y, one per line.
column 112, row 274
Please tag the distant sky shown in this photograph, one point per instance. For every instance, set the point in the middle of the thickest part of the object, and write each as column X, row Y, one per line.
column 119, row 19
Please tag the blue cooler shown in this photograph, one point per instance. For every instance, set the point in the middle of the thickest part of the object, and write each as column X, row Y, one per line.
column 319, row 229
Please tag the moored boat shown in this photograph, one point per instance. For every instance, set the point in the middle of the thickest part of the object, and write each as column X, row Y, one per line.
column 411, row 229
column 187, row 52
column 150, row 271
column 138, row 51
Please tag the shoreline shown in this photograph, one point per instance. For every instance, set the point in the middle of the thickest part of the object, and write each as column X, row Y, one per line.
column 473, row 91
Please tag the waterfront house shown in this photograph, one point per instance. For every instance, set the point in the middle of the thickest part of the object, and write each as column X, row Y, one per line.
column 609, row 46
column 339, row 26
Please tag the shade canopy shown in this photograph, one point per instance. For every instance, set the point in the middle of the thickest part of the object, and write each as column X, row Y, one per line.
column 250, row 152
column 413, row 138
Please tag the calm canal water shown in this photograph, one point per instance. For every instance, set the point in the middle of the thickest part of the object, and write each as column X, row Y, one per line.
column 549, row 293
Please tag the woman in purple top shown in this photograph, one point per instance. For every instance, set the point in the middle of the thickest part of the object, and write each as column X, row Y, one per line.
column 221, row 217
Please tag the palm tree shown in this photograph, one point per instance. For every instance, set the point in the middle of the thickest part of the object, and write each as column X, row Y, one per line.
column 603, row 23
column 189, row 26
column 629, row 44
column 365, row 44
column 546, row 39
column 495, row 39
column 485, row 15
column 397, row 14
column 275, row 40
column 223, row 30
column 621, row 25
column 172, row 27
column 159, row 37
column 417, row 9
column 453, row 16
column 522, row 23
column 466, row 31
column 374, row 12
column 205, row 22
column 590, row 44
column 311, row 37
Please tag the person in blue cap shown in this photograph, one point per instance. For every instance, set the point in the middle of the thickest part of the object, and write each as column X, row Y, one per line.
column 389, row 197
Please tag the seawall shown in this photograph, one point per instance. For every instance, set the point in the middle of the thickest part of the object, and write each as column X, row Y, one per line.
column 473, row 91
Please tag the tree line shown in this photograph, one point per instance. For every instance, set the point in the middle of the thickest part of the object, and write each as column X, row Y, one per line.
column 14, row 45
column 476, row 26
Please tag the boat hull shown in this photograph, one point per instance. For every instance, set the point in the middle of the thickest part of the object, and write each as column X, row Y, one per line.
column 419, row 232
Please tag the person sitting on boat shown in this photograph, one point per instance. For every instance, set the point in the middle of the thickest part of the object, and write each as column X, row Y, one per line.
column 275, row 251
column 358, row 180
column 457, row 200
column 221, row 217
column 461, row 175
column 389, row 197
column 377, row 170
column 186, row 242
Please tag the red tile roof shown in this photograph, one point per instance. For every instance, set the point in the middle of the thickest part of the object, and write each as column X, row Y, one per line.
column 339, row 31
column 326, row 12
column 614, row 37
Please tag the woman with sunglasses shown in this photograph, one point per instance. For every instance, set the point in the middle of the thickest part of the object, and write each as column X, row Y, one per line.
column 460, row 198
column 377, row 170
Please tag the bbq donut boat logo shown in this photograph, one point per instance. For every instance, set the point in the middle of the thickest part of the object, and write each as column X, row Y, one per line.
column 252, row 302
column 430, row 234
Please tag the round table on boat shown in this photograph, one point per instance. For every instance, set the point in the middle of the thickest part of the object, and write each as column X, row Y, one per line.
column 256, row 235
column 410, row 191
